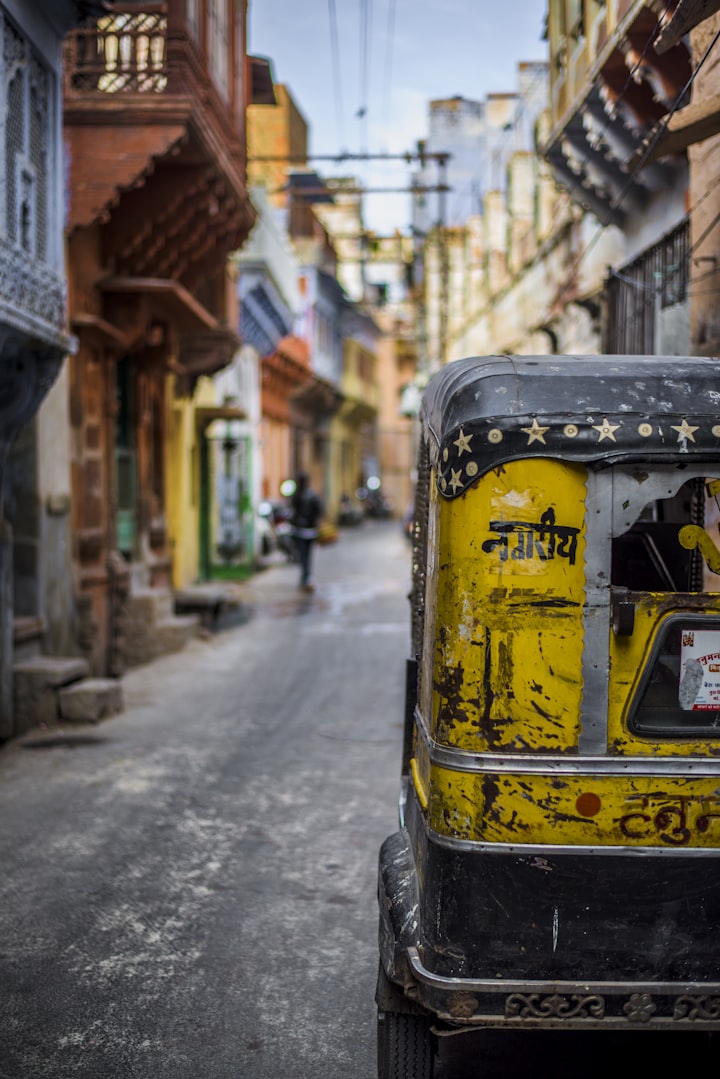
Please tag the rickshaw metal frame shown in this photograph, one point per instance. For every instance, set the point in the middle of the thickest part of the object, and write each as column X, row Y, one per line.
column 478, row 415
column 557, row 994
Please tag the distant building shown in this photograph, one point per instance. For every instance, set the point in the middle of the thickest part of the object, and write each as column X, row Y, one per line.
column 470, row 221
column 480, row 137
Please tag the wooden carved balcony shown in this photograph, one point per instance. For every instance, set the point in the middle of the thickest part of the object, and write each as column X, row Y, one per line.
column 142, row 60
column 155, row 127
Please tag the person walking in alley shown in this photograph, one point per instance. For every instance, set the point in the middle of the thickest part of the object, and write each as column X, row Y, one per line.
column 307, row 510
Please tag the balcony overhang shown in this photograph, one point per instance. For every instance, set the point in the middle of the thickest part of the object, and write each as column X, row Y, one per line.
column 593, row 149
column 209, row 413
column 207, row 352
column 687, row 15
column 354, row 412
column 674, row 134
column 99, row 331
column 316, row 398
column 164, row 297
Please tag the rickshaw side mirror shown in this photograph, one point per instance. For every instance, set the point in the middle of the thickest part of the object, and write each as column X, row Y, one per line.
column 623, row 617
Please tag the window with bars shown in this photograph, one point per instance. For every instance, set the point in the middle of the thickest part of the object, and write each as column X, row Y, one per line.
column 655, row 281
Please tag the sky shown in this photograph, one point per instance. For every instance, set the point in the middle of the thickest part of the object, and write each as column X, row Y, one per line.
column 363, row 71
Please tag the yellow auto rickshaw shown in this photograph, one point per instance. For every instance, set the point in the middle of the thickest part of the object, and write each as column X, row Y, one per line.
column 557, row 863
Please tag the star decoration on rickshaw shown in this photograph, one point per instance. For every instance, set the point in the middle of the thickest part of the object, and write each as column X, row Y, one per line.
column 454, row 480
column 606, row 429
column 685, row 431
column 462, row 442
column 536, row 433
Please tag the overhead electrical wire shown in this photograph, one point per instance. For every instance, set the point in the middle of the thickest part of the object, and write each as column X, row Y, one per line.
column 364, row 37
column 389, row 44
column 335, row 54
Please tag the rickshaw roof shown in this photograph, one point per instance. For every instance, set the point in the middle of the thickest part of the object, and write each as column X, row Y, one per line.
column 486, row 410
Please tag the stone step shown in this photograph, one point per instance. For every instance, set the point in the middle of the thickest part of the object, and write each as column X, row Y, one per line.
column 150, row 604
column 36, row 683
column 146, row 642
column 172, row 634
column 90, row 700
column 208, row 601
column 146, row 608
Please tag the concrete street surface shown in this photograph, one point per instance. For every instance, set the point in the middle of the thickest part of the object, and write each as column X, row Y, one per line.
column 188, row 890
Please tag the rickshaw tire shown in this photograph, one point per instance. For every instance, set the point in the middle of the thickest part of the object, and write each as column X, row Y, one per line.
column 405, row 1045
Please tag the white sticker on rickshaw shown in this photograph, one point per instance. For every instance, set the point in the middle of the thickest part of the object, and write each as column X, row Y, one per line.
column 699, row 688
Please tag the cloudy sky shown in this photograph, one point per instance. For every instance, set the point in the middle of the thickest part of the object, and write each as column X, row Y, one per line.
column 363, row 71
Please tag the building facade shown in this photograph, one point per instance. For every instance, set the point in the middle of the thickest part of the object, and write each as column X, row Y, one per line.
column 155, row 102
column 35, row 589
column 584, row 248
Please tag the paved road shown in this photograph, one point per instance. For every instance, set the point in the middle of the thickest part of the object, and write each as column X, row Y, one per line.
column 187, row 891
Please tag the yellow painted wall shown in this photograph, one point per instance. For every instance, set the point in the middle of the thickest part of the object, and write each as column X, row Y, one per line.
column 182, row 496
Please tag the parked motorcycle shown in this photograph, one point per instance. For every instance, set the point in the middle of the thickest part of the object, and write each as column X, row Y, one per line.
column 277, row 531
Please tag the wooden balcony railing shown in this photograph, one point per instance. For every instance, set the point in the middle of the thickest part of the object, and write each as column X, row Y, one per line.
column 124, row 52
column 130, row 58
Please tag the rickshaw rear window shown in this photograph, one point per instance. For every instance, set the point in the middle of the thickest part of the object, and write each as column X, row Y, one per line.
column 680, row 694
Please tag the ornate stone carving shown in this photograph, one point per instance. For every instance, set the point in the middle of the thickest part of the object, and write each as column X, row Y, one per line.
column 30, row 287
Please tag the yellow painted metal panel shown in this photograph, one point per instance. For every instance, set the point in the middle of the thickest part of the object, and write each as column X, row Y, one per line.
column 628, row 659
column 508, row 635
column 576, row 810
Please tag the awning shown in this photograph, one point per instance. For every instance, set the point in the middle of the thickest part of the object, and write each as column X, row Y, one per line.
column 307, row 186
column 262, row 86
column 209, row 413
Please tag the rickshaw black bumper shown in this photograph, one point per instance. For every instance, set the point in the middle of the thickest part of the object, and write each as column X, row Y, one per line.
column 551, row 939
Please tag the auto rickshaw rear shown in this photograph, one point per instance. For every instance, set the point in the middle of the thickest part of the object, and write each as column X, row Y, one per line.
column 557, row 861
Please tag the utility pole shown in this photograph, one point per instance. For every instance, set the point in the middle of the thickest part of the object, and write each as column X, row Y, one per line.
column 444, row 262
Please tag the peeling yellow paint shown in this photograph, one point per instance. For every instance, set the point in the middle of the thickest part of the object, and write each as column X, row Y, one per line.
column 507, row 666
column 626, row 810
column 502, row 672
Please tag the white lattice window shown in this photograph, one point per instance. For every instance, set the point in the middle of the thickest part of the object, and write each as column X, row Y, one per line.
column 192, row 17
column 218, row 43
column 26, row 144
